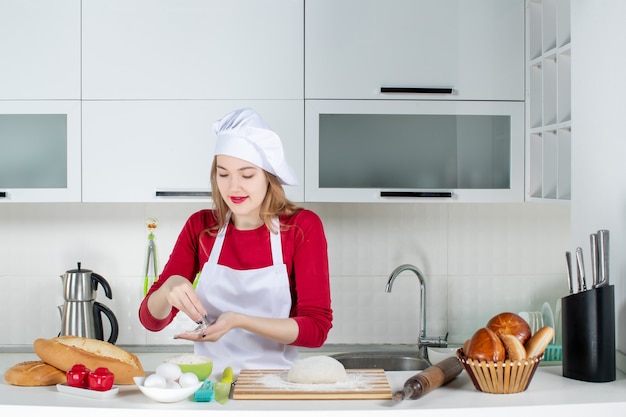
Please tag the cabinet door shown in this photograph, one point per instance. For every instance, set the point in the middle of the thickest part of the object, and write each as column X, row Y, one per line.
column 193, row 49
column 149, row 151
column 355, row 47
column 40, row 49
column 414, row 151
column 40, row 151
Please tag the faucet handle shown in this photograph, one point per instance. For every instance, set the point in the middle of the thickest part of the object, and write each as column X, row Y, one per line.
column 438, row 341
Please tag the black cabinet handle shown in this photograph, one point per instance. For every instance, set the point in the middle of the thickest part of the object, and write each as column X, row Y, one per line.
column 3, row 194
column 416, row 90
column 183, row 194
column 419, row 194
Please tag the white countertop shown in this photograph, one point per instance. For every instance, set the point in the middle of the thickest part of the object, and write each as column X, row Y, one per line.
column 548, row 392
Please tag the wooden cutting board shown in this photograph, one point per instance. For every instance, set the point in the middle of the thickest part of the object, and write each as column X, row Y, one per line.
column 362, row 384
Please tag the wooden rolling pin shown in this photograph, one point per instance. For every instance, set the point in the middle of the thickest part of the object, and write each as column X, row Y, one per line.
column 433, row 377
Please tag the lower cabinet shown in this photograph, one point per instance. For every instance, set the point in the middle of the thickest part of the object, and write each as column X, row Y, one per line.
column 153, row 151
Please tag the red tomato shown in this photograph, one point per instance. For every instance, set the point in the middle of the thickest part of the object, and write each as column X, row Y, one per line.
column 101, row 379
column 78, row 376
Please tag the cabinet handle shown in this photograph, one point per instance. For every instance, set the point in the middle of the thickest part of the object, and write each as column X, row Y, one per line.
column 420, row 194
column 183, row 194
column 416, row 90
column 3, row 194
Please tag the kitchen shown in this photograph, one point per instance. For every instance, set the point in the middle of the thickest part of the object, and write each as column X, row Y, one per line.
column 480, row 249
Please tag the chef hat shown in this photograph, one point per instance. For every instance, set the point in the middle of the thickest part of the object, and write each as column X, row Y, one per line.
column 243, row 134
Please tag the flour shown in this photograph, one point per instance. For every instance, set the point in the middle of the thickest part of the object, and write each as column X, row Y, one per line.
column 354, row 382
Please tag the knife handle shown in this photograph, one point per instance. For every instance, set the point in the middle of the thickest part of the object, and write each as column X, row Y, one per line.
column 580, row 272
column 603, row 257
column 570, row 275
column 593, row 240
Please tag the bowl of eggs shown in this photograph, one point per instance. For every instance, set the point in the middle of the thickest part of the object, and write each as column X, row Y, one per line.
column 168, row 384
column 200, row 365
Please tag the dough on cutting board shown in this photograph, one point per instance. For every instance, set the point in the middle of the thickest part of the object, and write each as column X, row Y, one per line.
column 317, row 370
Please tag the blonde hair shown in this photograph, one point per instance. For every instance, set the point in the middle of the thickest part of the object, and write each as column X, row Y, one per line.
column 274, row 204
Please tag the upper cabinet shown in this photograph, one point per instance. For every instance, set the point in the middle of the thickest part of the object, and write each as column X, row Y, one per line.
column 414, row 49
column 548, row 101
column 39, row 49
column 196, row 49
column 162, row 150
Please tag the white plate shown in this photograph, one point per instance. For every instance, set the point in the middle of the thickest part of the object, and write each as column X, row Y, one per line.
column 548, row 316
column 84, row 392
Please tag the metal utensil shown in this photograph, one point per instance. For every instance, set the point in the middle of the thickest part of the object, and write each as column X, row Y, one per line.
column 570, row 279
column 580, row 270
column 593, row 240
column 603, row 258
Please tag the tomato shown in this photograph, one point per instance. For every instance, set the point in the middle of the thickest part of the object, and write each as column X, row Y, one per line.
column 78, row 376
column 101, row 379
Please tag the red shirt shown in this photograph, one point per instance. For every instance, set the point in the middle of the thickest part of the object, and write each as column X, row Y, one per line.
column 305, row 255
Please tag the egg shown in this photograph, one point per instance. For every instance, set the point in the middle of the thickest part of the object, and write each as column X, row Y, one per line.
column 169, row 371
column 188, row 379
column 172, row 385
column 154, row 381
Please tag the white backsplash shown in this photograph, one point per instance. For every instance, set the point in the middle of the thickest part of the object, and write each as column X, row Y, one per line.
column 478, row 260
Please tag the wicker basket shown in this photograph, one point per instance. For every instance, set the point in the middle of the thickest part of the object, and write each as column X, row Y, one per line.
column 506, row 377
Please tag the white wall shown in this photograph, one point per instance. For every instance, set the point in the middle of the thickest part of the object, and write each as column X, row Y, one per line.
column 599, row 138
column 479, row 260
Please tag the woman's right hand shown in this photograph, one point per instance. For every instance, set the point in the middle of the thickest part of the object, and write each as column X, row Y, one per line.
column 176, row 292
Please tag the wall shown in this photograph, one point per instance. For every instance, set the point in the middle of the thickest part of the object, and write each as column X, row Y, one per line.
column 598, row 142
column 479, row 259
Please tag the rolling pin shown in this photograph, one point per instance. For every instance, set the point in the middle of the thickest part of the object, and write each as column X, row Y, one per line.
column 433, row 377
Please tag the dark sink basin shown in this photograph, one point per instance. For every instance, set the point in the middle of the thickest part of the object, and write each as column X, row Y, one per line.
column 389, row 361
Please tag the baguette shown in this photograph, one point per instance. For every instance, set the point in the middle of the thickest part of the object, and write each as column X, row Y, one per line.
column 34, row 374
column 539, row 341
column 63, row 352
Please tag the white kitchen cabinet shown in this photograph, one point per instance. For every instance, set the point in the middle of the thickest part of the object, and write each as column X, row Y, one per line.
column 548, row 101
column 40, row 151
column 39, row 49
column 353, row 48
column 196, row 49
column 162, row 150
column 414, row 151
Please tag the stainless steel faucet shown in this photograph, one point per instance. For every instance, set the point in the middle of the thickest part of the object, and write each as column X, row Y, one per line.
column 422, row 340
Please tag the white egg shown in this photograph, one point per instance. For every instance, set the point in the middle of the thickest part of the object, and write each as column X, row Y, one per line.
column 169, row 371
column 188, row 379
column 172, row 385
column 154, row 381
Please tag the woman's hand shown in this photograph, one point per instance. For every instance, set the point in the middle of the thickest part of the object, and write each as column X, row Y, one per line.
column 176, row 292
column 224, row 323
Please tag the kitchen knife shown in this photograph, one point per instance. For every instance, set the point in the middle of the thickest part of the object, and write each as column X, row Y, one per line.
column 580, row 270
column 570, row 276
column 603, row 258
column 593, row 238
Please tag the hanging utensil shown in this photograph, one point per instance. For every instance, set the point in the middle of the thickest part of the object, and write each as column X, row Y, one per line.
column 150, row 257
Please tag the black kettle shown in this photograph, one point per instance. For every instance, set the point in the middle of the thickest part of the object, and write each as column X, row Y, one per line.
column 81, row 315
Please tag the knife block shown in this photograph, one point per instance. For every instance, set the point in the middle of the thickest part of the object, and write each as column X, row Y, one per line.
column 588, row 326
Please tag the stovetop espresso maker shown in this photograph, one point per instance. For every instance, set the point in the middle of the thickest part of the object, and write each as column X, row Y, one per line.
column 81, row 315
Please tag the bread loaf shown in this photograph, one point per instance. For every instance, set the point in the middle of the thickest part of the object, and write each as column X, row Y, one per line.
column 539, row 341
column 34, row 374
column 515, row 350
column 510, row 323
column 63, row 352
column 485, row 345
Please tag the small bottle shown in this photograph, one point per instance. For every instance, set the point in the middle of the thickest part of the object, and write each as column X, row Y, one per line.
column 433, row 377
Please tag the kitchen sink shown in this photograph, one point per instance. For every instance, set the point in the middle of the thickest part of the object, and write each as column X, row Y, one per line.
column 387, row 360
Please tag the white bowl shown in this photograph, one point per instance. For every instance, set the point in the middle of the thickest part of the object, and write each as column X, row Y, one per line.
column 166, row 395
column 437, row 354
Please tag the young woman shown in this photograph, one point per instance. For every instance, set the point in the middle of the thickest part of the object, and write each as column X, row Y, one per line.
column 264, row 282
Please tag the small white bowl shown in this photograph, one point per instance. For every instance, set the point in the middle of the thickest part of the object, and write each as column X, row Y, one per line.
column 166, row 395
column 437, row 354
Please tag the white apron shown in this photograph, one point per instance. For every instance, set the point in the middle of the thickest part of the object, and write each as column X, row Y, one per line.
column 262, row 292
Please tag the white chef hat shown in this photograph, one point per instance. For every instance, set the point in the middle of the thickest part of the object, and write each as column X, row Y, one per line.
column 244, row 134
